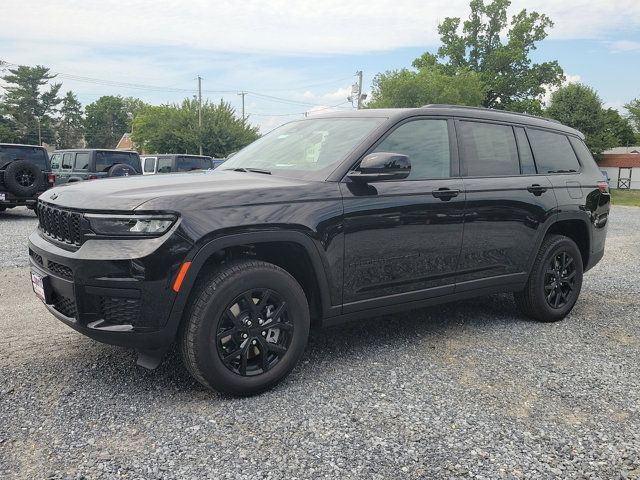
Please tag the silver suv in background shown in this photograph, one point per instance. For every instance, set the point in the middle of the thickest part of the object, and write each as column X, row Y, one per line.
column 92, row 164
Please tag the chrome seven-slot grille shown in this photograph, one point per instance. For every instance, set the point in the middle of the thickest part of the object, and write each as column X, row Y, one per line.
column 60, row 224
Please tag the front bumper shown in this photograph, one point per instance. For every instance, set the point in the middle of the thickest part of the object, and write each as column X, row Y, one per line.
column 114, row 291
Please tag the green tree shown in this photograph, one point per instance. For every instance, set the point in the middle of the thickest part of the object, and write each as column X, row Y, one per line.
column 427, row 83
column 174, row 129
column 513, row 81
column 580, row 107
column 106, row 120
column 633, row 108
column 618, row 127
column 70, row 124
column 28, row 107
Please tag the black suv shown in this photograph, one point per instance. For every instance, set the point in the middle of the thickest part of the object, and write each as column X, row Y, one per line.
column 323, row 220
column 25, row 172
column 91, row 164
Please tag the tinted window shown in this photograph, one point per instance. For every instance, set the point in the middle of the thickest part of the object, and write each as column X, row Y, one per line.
column 9, row 153
column 184, row 164
column 527, row 165
column 149, row 164
column 488, row 149
column 82, row 161
column 67, row 160
column 55, row 161
column 582, row 150
column 426, row 143
column 106, row 160
column 553, row 152
column 164, row 164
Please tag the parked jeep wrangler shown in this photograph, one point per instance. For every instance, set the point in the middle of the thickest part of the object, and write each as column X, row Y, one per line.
column 25, row 172
column 326, row 219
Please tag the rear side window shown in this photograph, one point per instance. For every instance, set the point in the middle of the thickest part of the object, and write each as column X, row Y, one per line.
column 106, row 160
column 426, row 143
column 82, row 161
column 67, row 160
column 149, row 164
column 184, row 164
column 9, row 153
column 488, row 149
column 582, row 150
column 164, row 164
column 553, row 152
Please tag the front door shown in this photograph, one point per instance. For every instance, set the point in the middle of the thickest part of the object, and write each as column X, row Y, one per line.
column 507, row 204
column 403, row 237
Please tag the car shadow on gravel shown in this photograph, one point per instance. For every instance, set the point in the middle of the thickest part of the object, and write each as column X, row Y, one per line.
column 333, row 346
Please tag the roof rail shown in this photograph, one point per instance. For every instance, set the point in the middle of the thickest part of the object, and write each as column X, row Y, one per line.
column 463, row 107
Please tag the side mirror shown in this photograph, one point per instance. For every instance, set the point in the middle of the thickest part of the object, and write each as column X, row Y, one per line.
column 380, row 166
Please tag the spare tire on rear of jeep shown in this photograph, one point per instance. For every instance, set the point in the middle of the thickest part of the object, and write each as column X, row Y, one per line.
column 121, row 170
column 23, row 178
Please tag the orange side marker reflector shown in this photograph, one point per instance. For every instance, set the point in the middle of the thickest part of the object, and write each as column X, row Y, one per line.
column 181, row 274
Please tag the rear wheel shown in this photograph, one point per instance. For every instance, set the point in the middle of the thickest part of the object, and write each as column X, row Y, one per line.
column 246, row 328
column 555, row 281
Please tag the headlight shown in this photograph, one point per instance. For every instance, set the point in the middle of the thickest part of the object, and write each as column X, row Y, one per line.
column 116, row 225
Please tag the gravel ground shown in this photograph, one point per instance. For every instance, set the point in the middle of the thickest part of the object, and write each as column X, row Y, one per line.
column 15, row 225
column 470, row 390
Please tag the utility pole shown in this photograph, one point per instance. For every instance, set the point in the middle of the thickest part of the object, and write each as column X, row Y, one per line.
column 200, row 112
column 359, row 74
column 242, row 94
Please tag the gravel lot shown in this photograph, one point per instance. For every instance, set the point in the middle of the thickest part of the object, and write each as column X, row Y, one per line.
column 468, row 390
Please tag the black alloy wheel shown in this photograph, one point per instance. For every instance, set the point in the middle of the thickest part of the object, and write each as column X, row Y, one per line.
column 25, row 177
column 555, row 280
column 560, row 278
column 245, row 327
column 254, row 332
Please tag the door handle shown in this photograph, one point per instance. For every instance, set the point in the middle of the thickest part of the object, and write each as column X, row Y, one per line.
column 445, row 194
column 536, row 189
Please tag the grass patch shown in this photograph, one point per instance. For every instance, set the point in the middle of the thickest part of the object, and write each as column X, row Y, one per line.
column 629, row 198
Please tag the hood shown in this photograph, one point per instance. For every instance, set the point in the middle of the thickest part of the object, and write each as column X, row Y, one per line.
column 169, row 191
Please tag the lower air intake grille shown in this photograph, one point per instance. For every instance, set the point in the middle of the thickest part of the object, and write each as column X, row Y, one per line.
column 64, row 305
column 120, row 311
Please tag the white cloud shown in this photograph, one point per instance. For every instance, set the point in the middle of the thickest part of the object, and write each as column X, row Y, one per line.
column 624, row 46
column 279, row 26
column 567, row 80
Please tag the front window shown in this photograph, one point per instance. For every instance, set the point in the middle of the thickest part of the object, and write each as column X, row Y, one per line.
column 308, row 149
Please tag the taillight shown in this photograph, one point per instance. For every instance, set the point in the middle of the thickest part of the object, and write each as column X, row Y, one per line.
column 93, row 177
column 51, row 178
column 603, row 186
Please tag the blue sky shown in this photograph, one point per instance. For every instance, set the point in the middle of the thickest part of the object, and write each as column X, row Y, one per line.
column 303, row 53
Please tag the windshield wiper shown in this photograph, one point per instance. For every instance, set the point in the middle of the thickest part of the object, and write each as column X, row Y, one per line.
column 249, row 169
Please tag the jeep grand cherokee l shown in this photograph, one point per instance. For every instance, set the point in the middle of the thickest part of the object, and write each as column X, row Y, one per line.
column 326, row 219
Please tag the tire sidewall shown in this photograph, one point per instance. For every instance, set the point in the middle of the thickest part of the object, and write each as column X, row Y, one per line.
column 121, row 170
column 212, row 368
column 567, row 245
column 12, row 184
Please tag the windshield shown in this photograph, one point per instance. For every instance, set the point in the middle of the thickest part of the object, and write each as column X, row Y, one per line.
column 308, row 149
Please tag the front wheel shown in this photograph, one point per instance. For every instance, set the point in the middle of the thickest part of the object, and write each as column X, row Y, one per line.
column 246, row 328
column 554, row 282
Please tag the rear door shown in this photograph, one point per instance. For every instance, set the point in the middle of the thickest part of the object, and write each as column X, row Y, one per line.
column 508, row 203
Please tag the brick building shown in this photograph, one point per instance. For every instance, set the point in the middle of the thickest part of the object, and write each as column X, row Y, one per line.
column 622, row 164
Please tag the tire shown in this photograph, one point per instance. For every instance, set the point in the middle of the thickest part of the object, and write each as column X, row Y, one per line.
column 23, row 178
column 551, row 292
column 121, row 170
column 208, row 333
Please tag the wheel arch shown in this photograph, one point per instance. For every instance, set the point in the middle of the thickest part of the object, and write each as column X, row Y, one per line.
column 301, row 259
column 577, row 229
